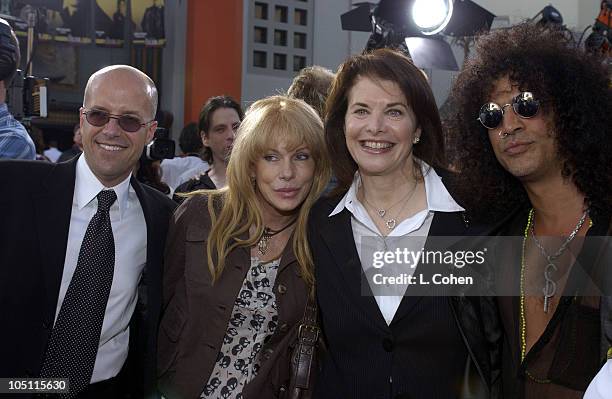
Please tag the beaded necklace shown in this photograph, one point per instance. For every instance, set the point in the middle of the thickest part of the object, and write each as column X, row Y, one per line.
column 523, row 321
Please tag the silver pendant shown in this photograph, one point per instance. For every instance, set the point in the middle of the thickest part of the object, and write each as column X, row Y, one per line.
column 381, row 213
column 550, row 287
column 390, row 224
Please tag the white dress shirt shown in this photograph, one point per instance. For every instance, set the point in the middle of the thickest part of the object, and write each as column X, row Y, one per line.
column 130, row 234
column 52, row 153
column 601, row 386
column 178, row 170
column 416, row 227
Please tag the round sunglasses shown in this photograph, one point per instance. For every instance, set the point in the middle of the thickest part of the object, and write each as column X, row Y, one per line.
column 523, row 105
column 100, row 118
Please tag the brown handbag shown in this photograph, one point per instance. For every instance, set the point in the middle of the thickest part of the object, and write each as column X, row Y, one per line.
column 303, row 356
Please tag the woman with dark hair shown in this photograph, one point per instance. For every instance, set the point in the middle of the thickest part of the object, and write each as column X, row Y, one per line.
column 238, row 269
column 389, row 341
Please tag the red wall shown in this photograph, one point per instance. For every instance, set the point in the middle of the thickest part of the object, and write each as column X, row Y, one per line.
column 213, row 54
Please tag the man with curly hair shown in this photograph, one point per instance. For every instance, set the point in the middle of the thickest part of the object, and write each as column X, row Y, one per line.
column 530, row 136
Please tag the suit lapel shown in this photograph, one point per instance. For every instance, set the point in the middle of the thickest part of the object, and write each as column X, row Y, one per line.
column 150, row 273
column 53, row 208
column 444, row 224
column 148, row 212
column 337, row 234
column 237, row 265
column 447, row 224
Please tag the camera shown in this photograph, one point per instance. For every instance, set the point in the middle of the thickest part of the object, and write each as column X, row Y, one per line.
column 162, row 146
column 26, row 97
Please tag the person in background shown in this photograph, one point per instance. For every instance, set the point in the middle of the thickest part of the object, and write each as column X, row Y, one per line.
column 39, row 142
column 149, row 172
column 164, row 119
column 312, row 85
column 77, row 147
column 153, row 20
column 219, row 119
column 601, row 386
column 117, row 29
column 52, row 153
column 239, row 271
column 15, row 142
column 189, row 163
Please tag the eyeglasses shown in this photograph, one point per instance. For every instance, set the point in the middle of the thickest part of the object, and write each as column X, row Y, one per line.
column 100, row 118
column 524, row 105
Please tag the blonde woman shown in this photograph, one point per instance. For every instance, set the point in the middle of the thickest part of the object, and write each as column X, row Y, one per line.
column 238, row 268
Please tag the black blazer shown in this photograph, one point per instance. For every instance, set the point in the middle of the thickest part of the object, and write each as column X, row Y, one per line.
column 36, row 205
column 422, row 354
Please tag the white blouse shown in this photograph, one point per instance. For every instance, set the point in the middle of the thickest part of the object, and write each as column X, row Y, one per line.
column 369, row 239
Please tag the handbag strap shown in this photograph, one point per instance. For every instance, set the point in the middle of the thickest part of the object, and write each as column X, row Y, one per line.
column 310, row 312
column 308, row 335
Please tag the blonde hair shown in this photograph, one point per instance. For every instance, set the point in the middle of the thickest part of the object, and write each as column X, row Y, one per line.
column 267, row 122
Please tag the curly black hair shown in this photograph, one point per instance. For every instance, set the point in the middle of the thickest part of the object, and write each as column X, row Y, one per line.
column 573, row 88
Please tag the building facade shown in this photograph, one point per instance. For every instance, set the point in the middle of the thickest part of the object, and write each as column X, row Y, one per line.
column 250, row 49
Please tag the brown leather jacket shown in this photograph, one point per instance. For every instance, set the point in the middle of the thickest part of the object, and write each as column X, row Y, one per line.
column 196, row 313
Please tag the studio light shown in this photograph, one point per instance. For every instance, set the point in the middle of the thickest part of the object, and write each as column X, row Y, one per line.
column 550, row 15
column 432, row 16
column 417, row 27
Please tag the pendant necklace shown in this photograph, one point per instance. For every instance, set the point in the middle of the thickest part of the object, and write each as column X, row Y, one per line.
column 268, row 233
column 550, row 286
column 522, row 313
column 392, row 221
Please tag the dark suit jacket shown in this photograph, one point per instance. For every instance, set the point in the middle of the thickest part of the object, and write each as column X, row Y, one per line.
column 36, row 204
column 434, row 347
column 202, row 182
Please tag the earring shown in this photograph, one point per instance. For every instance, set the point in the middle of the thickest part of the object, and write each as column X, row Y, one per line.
column 416, row 140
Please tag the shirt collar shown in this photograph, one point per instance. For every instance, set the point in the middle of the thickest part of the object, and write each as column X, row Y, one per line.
column 87, row 186
column 438, row 197
column 350, row 198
